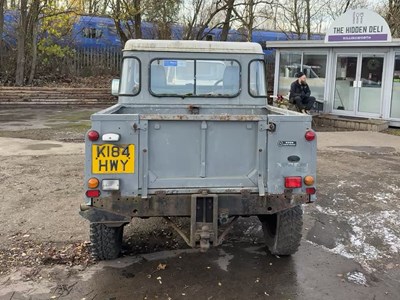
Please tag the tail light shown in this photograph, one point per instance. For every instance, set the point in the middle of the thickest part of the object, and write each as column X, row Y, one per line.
column 293, row 182
column 93, row 135
column 310, row 135
column 92, row 193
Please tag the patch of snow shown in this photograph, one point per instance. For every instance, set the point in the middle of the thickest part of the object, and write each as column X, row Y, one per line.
column 341, row 250
column 224, row 260
column 253, row 229
column 354, row 185
column 384, row 197
column 357, row 278
column 340, row 197
column 373, row 236
column 394, row 188
column 341, row 183
column 326, row 210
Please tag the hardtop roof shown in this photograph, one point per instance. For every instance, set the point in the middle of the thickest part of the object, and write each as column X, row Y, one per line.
column 192, row 46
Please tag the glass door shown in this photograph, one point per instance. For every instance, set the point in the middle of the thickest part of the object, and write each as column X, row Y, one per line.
column 371, row 85
column 395, row 107
column 345, row 89
column 358, row 84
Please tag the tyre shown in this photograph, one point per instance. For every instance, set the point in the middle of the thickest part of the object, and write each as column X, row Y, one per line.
column 282, row 231
column 105, row 241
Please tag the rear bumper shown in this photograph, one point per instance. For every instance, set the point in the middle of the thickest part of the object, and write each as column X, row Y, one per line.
column 120, row 209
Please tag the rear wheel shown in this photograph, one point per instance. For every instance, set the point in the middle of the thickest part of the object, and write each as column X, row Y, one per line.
column 105, row 241
column 282, row 230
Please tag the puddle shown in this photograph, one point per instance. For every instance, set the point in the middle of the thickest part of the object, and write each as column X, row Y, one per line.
column 46, row 146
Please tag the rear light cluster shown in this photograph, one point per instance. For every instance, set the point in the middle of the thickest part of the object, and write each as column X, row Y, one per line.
column 294, row 182
column 93, row 184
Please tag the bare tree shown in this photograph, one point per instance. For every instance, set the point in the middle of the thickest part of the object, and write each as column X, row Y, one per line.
column 252, row 14
column 301, row 17
column 127, row 15
column 334, row 9
column 163, row 14
column 393, row 17
column 137, row 18
column 217, row 7
column 21, row 41
column 202, row 16
column 2, row 4
column 308, row 19
column 30, row 20
column 190, row 22
column 227, row 23
column 13, row 4
column 33, row 24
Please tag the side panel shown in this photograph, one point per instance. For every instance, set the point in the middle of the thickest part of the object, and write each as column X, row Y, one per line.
column 284, row 144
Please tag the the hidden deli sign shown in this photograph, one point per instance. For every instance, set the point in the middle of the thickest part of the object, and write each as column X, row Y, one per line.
column 360, row 25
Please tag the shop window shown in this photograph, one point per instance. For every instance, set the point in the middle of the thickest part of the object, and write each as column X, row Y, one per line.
column 395, row 108
column 289, row 66
column 312, row 64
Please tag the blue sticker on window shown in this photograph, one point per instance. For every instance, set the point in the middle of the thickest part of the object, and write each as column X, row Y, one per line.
column 170, row 63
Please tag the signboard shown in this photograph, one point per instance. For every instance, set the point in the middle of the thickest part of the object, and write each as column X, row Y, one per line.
column 360, row 25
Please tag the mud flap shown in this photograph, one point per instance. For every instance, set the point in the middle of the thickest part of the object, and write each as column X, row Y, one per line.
column 96, row 215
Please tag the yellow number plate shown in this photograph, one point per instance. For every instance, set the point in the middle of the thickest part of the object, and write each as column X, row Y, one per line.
column 113, row 159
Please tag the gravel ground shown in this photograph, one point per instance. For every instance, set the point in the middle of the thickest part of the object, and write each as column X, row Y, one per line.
column 43, row 236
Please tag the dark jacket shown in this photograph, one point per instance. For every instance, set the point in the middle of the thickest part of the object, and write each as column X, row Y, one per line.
column 297, row 89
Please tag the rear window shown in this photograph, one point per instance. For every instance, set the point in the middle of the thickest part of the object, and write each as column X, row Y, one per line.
column 194, row 78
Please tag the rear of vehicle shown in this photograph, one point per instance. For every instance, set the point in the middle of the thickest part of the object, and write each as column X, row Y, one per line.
column 192, row 137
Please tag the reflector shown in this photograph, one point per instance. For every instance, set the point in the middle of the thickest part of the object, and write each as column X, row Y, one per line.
column 310, row 135
column 92, row 193
column 310, row 191
column 93, row 135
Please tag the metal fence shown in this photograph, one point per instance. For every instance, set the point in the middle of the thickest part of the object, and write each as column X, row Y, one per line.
column 96, row 61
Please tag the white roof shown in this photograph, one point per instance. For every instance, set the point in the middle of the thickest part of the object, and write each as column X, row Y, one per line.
column 192, row 46
column 321, row 44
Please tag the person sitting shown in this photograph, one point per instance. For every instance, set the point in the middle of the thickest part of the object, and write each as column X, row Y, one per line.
column 300, row 94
